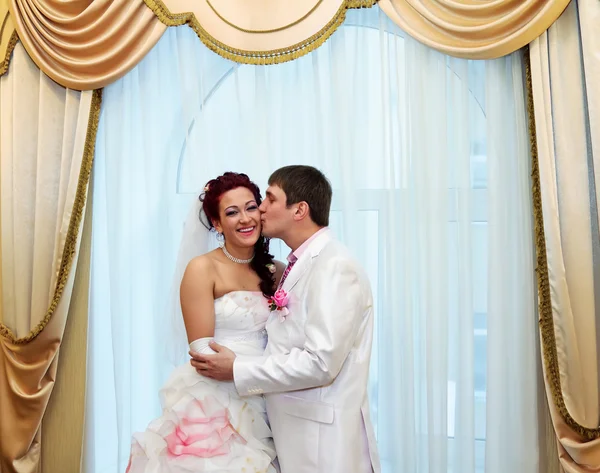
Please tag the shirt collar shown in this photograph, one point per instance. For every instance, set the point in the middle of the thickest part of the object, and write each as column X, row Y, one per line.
column 295, row 255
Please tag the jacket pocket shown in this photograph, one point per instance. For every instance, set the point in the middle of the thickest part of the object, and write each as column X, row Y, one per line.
column 310, row 410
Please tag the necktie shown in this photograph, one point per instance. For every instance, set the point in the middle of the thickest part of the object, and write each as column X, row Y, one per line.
column 286, row 272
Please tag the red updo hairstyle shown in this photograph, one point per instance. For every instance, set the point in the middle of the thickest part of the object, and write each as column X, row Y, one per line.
column 211, row 198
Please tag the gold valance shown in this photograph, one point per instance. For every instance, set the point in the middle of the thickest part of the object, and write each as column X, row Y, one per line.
column 258, row 32
column 85, row 44
column 89, row 44
column 474, row 29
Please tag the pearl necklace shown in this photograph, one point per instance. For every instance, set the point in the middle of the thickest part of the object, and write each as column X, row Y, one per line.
column 234, row 259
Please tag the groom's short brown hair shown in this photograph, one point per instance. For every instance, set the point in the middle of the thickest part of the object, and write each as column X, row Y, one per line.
column 305, row 184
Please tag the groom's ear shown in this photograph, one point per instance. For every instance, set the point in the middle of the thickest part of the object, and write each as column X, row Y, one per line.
column 302, row 211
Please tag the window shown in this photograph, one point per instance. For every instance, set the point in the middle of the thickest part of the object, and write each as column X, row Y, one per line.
column 244, row 90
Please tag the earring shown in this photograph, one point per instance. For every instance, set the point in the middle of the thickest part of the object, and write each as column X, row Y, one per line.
column 220, row 239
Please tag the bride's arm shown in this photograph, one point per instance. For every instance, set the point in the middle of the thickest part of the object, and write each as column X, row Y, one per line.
column 197, row 299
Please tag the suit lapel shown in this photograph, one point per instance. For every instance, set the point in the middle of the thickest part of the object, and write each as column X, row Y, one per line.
column 305, row 261
column 297, row 272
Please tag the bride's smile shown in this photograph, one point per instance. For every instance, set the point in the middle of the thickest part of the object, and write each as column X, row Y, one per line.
column 247, row 231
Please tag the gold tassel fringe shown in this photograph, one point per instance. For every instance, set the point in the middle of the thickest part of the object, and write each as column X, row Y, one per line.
column 12, row 42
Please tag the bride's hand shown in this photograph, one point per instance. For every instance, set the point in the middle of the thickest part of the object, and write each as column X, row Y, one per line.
column 218, row 366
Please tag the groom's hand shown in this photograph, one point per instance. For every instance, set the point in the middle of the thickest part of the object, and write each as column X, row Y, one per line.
column 218, row 366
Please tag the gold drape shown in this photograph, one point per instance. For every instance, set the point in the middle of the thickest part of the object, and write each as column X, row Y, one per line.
column 562, row 107
column 28, row 361
column 63, row 423
column 474, row 29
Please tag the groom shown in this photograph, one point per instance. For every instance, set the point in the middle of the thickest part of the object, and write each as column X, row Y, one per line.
column 316, row 364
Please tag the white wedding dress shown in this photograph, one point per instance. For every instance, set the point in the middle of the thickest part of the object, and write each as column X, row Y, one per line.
column 205, row 425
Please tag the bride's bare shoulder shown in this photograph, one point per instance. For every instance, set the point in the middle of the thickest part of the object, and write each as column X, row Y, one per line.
column 280, row 268
column 203, row 264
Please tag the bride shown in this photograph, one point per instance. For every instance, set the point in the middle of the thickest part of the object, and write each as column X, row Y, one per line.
column 205, row 426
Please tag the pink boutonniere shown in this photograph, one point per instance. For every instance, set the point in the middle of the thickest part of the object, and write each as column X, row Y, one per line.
column 278, row 303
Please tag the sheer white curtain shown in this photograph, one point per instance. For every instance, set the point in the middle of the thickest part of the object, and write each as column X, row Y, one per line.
column 428, row 157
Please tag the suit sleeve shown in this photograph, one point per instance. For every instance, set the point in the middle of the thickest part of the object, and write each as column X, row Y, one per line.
column 336, row 305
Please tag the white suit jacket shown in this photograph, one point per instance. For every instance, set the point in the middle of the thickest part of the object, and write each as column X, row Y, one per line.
column 316, row 365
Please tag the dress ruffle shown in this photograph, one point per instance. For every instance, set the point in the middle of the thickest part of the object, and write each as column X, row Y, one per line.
column 205, row 427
